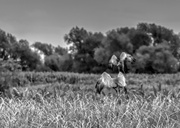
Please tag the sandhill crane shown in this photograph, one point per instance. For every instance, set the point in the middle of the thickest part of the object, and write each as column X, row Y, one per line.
column 114, row 61
column 106, row 81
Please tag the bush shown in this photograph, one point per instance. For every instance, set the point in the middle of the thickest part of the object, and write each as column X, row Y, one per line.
column 9, row 65
column 157, row 59
column 58, row 63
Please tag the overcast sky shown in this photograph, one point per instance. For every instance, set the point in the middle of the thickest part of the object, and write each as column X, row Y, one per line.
column 48, row 21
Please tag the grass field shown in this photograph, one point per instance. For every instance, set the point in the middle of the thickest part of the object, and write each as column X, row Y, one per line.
column 76, row 105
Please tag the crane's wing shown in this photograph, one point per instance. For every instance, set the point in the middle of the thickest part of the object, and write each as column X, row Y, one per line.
column 113, row 61
column 121, row 79
column 106, row 79
column 105, row 75
column 123, row 56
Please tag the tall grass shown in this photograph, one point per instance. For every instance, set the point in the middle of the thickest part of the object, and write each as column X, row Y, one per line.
column 35, row 78
column 71, row 102
column 80, row 110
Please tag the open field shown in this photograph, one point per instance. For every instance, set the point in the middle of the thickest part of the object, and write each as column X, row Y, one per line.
column 68, row 100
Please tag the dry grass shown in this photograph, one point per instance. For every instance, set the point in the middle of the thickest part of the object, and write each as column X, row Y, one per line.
column 64, row 105
column 86, row 110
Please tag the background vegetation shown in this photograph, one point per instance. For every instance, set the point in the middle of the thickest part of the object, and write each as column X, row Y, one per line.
column 89, row 52
column 39, row 97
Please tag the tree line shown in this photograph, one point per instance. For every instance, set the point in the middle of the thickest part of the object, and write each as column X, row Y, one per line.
column 156, row 49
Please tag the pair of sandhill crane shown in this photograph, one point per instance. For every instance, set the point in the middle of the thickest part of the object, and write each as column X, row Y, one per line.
column 118, row 82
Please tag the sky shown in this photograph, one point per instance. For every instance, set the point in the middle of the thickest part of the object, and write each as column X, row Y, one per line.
column 47, row 21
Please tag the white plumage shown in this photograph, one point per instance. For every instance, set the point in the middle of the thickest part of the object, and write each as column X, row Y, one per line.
column 107, row 81
column 119, row 62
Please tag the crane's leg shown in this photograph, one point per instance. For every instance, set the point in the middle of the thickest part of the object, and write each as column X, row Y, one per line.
column 123, row 67
column 98, row 87
column 116, row 89
column 125, row 90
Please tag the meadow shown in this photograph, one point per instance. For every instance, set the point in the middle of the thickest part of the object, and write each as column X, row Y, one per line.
column 68, row 100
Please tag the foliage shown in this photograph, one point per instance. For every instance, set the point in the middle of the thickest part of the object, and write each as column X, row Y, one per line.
column 83, row 44
column 29, row 60
column 47, row 49
column 8, row 69
column 7, row 42
column 76, row 37
column 64, row 105
column 157, row 59
column 89, row 52
column 161, row 34
column 100, row 56
column 9, row 65
column 61, row 51
column 25, row 79
column 140, row 39
column 114, row 43
column 58, row 62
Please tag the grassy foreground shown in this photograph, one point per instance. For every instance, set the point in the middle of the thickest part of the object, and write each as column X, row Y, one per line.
column 86, row 110
column 73, row 103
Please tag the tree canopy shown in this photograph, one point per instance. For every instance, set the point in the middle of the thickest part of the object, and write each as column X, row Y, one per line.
column 90, row 51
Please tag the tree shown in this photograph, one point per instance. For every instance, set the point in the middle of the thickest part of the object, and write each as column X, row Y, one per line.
column 59, row 63
column 47, row 49
column 164, row 61
column 162, row 34
column 7, row 41
column 139, row 39
column 28, row 59
column 9, row 65
column 82, row 48
column 61, row 51
column 75, row 38
column 87, row 53
column 113, row 43
column 159, row 33
column 157, row 59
